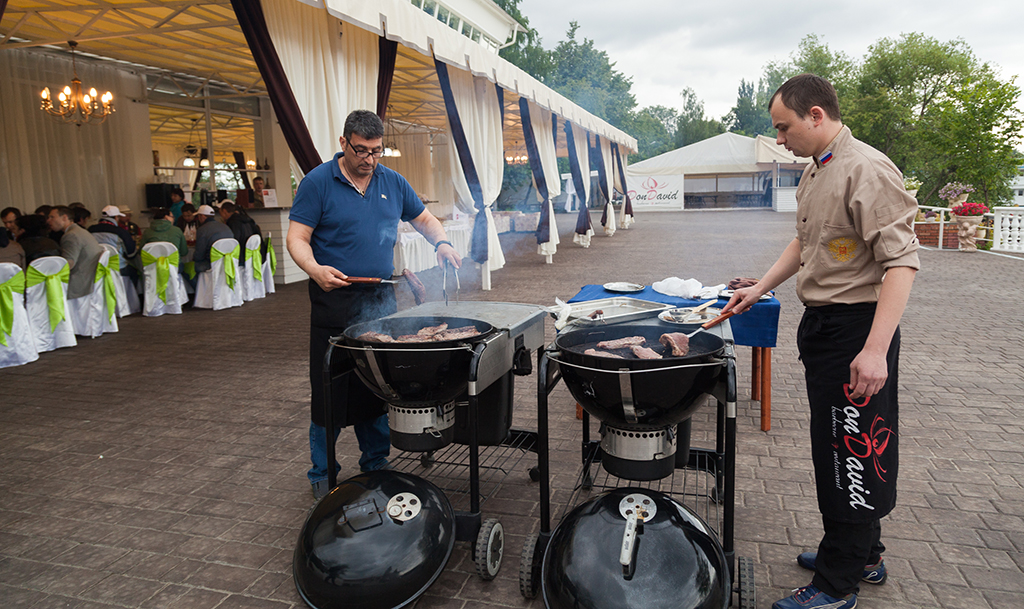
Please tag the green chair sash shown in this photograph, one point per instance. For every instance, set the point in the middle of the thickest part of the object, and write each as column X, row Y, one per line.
column 104, row 274
column 272, row 256
column 163, row 270
column 54, row 291
column 254, row 261
column 7, row 290
column 230, row 263
column 190, row 269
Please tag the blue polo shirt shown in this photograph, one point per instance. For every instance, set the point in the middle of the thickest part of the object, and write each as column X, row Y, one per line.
column 351, row 232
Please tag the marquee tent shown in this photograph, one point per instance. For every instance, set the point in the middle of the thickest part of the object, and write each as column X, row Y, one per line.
column 335, row 56
column 728, row 163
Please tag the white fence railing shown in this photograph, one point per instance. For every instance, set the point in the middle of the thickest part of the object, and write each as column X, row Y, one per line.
column 1006, row 232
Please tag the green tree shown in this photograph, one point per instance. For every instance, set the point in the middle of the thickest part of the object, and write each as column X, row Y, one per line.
column 975, row 127
column 750, row 114
column 585, row 75
column 650, row 127
column 693, row 125
column 527, row 52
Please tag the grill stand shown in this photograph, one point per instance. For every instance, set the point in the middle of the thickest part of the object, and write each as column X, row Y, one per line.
column 509, row 353
column 719, row 463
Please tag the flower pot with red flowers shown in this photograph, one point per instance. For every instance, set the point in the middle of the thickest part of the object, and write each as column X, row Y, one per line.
column 967, row 217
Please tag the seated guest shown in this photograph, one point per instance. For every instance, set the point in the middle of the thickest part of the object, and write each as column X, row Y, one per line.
column 10, row 251
column 177, row 202
column 32, row 237
column 241, row 224
column 44, row 211
column 125, row 222
column 209, row 230
column 188, row 223
column 161, row 229
column 9, row 217
column 79, row 248
column 82, row 216
column 257, row 192
column 107, row 231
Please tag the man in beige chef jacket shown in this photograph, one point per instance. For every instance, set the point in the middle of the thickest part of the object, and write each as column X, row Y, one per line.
column 855, row 257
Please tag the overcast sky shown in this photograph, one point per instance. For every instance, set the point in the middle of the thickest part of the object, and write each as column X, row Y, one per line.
column 667, row 45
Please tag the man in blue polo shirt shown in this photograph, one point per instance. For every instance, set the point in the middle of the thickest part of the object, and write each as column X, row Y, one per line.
column 344, row 221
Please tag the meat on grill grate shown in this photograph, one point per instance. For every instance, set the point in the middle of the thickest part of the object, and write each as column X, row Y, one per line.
column 620, row 343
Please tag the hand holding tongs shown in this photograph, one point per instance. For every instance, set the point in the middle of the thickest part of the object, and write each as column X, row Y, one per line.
column 444, row 282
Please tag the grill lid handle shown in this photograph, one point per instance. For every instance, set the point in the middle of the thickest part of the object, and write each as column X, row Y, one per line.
column 371, row 360
column 626, row 391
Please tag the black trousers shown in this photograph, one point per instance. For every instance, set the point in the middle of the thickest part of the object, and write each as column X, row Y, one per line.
column 330, row 314
column 854, row 443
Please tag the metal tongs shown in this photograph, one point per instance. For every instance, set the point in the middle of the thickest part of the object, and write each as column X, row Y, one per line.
column 444, row 282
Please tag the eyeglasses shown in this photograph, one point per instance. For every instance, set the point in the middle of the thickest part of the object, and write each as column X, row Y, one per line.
column 363, row 153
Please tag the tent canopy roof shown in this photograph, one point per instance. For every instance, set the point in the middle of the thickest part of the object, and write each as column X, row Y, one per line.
column 199, row 41
column 724, row 153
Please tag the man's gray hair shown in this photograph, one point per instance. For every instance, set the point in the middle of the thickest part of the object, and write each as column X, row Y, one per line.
column 365, row 124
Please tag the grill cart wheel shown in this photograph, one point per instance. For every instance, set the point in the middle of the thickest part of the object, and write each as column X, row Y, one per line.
column 427, row 459
column 489, row 548
column 535, row 474
column 529, row 567
column 746, row 589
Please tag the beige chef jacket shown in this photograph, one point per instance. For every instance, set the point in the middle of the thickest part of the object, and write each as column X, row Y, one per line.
column 854, row 221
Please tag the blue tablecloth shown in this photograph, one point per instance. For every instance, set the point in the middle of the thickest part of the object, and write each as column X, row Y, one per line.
column 758, row 327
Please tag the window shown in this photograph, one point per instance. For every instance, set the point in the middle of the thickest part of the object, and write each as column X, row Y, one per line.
column 429, row 7
column 442, row 14
column 454, row 22
column 417, row 3
column 467, row 30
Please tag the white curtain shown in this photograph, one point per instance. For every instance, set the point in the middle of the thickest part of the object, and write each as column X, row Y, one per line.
column 331, row 66
column 540, row 121
column 581, row 142
column 625, row 220
column 46, row 162
column 477, row 102
column 609, row 166
column 414, row 164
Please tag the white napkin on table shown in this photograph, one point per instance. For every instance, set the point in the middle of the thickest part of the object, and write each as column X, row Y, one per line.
column 710, row 291
column 674, row 286
column 564, row 311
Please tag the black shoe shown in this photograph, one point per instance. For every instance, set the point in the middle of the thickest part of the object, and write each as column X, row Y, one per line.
column 320, row 489
column 873, row 574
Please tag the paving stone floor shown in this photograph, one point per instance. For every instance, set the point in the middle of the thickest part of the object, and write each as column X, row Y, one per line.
column 164, row 466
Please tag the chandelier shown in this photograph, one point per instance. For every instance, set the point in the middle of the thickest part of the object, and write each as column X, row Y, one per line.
column 190, row 149
column 390, row 147
column 519, row 159
column 74, row 105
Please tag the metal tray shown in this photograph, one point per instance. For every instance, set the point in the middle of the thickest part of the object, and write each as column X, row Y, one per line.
column 619, row 308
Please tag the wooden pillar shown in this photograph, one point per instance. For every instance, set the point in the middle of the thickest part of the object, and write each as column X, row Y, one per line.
column 766, row 389
column 755, row 373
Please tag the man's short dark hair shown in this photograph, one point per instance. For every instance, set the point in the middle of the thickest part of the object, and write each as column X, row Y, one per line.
column 10, row 210
column 229, row 207
column 159, row 213
column 188, row 207
column 65, row 211
column 258, row 178
column 178, row 191
column 365, row 124
column 81, row 213
column 77, row 205
column 34, row 225
column 804, row 91
column 43, row 210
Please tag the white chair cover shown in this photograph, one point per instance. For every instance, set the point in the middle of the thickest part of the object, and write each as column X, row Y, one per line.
column 268, row 268
column 21, row 345
column 123, row 308
column 63, row 333
column 212, row 290
column 251, row 288
column 89, row 313
column 152, row 304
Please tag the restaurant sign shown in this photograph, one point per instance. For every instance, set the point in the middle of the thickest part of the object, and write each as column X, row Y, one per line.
column 656, row 192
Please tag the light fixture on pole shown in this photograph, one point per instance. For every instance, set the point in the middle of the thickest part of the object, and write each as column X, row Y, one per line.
column 74, row 105
column 190, row 150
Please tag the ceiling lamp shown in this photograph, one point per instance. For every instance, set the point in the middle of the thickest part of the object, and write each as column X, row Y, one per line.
column 190, row 150
column 391, row 148
column 74, row 105
column 250, row 164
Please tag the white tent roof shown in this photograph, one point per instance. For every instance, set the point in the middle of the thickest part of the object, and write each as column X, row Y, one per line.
column 725, row 153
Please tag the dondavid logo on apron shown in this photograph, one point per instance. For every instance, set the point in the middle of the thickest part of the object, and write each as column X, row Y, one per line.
column 860, row 438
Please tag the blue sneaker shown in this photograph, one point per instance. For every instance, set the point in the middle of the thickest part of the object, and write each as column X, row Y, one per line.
column 812, row 597
column 873, row 574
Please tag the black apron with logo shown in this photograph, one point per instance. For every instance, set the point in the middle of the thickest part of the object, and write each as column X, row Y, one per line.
column 854, row 442
column 330, row 314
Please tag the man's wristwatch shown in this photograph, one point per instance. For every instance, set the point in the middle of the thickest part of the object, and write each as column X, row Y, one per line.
column 438, row 245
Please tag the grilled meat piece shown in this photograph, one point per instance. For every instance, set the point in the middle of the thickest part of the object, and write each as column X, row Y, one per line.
column 376, row 337
column 419, row 291
column 644, row 352
column 432, row 330
column 621, row 343
column 414, row 338
column 678, row 342
column 742, row 282
column 597, row 353
column 457, row 333
column 596, row 314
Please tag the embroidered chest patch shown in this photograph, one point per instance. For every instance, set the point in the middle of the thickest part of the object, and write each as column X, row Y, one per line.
column 842, row 249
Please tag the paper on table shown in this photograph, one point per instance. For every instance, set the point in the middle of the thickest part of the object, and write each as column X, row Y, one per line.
column 674, row 286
